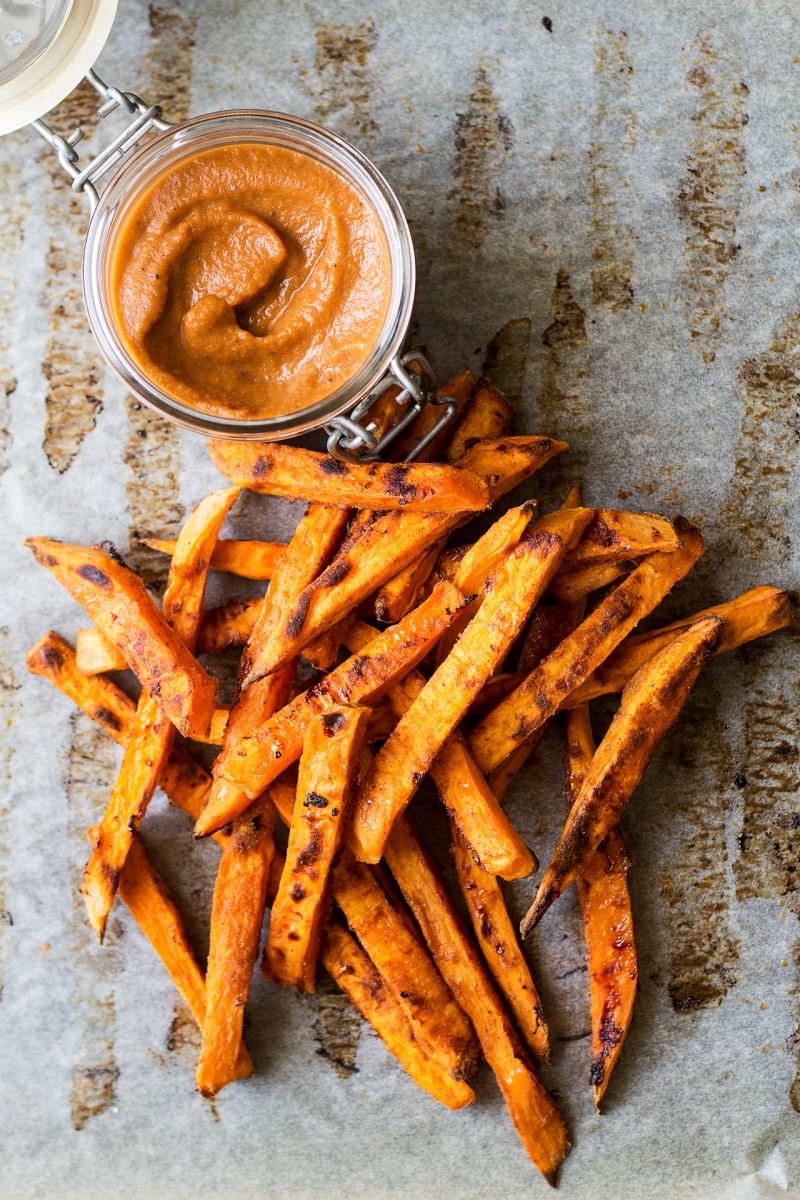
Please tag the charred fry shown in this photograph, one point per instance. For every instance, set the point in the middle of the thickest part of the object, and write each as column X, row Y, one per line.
column 613, row 534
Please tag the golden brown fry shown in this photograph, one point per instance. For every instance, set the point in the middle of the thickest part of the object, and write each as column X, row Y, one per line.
column 754, row 614
column 505, row 462
column 250, row 560
column 532, row 1108
column 228, row 626
column 349, row 966
column 157, row 915
column 125, row 613
column 152, row 736
column 614, row 534
column 240, row 893
column 497, row 939
column 326, row 782
column 650, row 704
column 390, row 543
column 607, row 918
column 488, row 415
column 570, row 587
column 278, row 469
column 512, row 590
column 461, row 387
column 574, row 659
column 95, row 653
column 259, row 758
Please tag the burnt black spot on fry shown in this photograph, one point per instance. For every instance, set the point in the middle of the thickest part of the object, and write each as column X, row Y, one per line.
column 397, row 483
column 310, row 853
column 332, row 723
column 297, row 892
column 314, row 800
column 262, row 466
column 52, row 657
column 333, row 466
column 296, row 621
column 334, row 575
column 105, row 717
column 94, row 575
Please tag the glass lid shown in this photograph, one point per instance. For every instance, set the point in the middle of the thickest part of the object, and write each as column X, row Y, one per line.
column 27, row 28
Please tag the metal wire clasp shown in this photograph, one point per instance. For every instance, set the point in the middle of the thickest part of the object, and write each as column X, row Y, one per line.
column 413, row 375
column 145, row 118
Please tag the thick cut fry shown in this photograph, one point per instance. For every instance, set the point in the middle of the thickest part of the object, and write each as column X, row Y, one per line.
column 393, row 945
column 548, row 626
column 487, row 415
column 152, row 736
column 404, row 590
column 505, row 462
column 613, row 534
column 532, row 1108
column 99, row 698
column 313, row 543
column 95, row 653
column 324, row 650
column 250, row 560
column 754, row 614
column 497, row 938
column 570, row 587
column 461, row 387
column 607, row 918
column 390, row 543
column 219, row 723
column 512, row 590
column 650, row 704
column 277, row 469
column 259, row 758
column 437, row 1020
column 541, row 693
column 228, row 626
column 157, row 915
column 240, row 894
column 125, row 613
column 349, row 966
column 328, row 773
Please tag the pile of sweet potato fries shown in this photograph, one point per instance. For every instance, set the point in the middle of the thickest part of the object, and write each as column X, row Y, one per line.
column 413, row 637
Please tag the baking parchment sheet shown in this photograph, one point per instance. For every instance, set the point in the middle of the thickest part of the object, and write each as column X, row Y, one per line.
column 605, row 209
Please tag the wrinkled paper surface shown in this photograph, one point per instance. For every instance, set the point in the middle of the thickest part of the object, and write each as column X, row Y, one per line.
column 605, row 214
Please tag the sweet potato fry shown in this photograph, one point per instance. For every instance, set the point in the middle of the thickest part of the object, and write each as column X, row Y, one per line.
column 461, row 387
column 390, row 543
column 497, row 938
column 219, row 724
column 362, row 679
column 572, row 586
column 513, row 588
column 157, row 915
column 532, row 1108
column 349, row 966
column 95, row 653
column 240, row 894
column 541, row 693
column 613, row 534
column 313, row 543
column 607, row 918
column 650, row 704
column 505, row 462
column 548, row 626
column 395, row 949
column 403, row 591
column 125, row 613
column 99, row 698
column 754, row 614
column 249, row 560
column 228, row 626
column 326, row 782
column 324, row 650
column 277, row 469
column 487, row 415
column 504, row 774
column 152, row 735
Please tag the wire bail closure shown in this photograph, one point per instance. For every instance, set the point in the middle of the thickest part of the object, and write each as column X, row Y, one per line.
column 351, row 441
column 146, row 117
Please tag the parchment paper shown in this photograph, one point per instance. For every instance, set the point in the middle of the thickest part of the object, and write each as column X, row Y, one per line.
column 605, row 208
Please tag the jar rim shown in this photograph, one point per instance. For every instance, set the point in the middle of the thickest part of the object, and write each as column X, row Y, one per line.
column 243, row 126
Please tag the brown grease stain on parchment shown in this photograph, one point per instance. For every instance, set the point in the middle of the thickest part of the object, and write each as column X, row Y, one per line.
column 709, row 197
column 9, row 713
column 565, row 403
column 507, row 358
column 91, row 765
column 336, row 1026
column 704, row 948
column 613, row 141
column 152, row 450
column 14, row 212
column 344, row 82
column 72, row 363
column 766, row 450
column 483, row 136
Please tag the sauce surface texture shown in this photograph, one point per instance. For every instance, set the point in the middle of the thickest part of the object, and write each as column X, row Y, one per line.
column 251, row 281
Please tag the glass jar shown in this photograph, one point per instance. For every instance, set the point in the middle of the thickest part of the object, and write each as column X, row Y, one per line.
column 174, row 145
